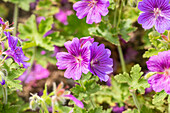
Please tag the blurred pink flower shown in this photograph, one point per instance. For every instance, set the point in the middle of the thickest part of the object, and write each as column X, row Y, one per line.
column 37, row 73
column 62, row 16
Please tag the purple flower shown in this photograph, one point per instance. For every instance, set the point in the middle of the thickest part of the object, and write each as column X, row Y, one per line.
column 100, row 63
column 93, row 9
column 43, row 52
column 76, row 60
column 117, row 109
column 1, row 21
column 161, row 64
column 156, row 12
column 148, row 90
column 3, row 82
column 62, row 16
column 83, row 40
column 15, row 51
column 77, row 102
column 37, row 73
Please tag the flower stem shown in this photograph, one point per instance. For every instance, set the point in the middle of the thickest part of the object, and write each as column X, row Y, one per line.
column 5, row 94
column 135, row 100
column 15, row 19
column 121, row 58
column 3, row 59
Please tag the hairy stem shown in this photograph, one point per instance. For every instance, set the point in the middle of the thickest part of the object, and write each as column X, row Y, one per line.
column 5, row 94
column 121, row 58
column 135, row 100
column 15, row 19
column 3, row 60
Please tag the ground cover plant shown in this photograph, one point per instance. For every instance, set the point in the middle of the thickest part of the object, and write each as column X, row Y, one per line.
column 85, row 56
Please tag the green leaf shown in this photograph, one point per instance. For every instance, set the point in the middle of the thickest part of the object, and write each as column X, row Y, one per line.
column 91, row 86
column 36, row 36
column 76, row 27
column 169, row 99
column 131, row 111
column 126, row 28
column 23, row 4
column 150, row 52
column 11, row 81
column 96, row 110
column 135, row 79
column 145, row 109
column 104, row 30
column 160, row 96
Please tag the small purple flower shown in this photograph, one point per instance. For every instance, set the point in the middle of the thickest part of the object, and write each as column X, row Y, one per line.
column 43, row 52
column 156, row 12
column 15, row 51
column 100, row 63
column 37, row 73
column 161, row 64
column 76, row 60
column 3, row 82
column 77, row 102
column 62, row 16
column 117, row 109
column 93, row 9
column 1, row 21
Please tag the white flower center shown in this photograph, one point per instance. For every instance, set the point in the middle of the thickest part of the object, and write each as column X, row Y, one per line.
column 167, row 72
column 92, row 3
column 78, row 59
column 157, row 12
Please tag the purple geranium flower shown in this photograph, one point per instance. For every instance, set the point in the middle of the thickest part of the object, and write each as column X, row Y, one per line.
column 100, row 63
column 156, row 12
column 93, row 9
column 62, row 16
column 15, row 51
column 3, row 82
column 37, row 73
column 76, row 60
column 161, row 64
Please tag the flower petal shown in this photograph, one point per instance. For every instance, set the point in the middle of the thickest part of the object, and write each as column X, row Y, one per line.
column 162, row 24
column 77, row 102
column 147, row 20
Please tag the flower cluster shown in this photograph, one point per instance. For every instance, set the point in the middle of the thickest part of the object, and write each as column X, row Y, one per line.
column 84, row 56
column 161, row 64
column 93, row 9
column 15, row 51
column 156, row 12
